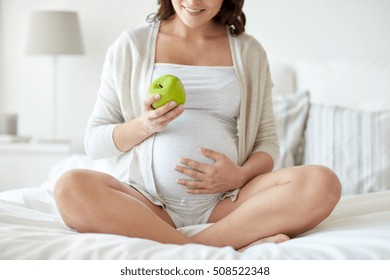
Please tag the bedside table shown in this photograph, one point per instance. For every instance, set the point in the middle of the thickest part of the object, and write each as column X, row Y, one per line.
column 28, row 164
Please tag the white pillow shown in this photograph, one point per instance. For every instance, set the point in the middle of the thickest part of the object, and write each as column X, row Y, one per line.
column 291, row 114
column 355, row 144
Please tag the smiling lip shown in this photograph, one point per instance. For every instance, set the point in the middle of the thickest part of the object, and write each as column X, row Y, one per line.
column 193, row 11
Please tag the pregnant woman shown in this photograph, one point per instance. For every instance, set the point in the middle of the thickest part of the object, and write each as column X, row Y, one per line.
column 209, row 161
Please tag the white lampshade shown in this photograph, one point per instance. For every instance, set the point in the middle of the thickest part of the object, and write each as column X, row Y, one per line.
column 54, row 33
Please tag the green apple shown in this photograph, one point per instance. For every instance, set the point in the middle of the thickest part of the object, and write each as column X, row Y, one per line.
column 170, row 88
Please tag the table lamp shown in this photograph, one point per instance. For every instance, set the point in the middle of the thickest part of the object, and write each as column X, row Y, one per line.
column 54, row 33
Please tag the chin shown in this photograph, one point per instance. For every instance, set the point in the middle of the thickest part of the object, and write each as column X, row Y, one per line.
column 193, row 23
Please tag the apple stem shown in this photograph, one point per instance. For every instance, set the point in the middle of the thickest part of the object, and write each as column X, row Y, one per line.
column 160, row 85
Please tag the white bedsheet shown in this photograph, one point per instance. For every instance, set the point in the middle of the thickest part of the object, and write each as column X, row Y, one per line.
column 31, row 228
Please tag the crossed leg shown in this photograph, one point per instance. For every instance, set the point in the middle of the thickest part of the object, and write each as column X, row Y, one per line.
column 90, row 201
column 289, row 201
column 269, row 207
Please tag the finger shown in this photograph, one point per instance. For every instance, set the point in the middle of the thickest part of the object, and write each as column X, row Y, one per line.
column 195, row 164
column 198, row 191
column 211, row 154
column 160, row 123
column 165, row 119
column 157, row 113
column 173, row 113
column 160, row 114
column 191, row 172
column 193, row 184
column 150, row 100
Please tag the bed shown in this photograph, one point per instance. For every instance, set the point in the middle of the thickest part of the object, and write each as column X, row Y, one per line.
column 31, row 228
column 358, row 228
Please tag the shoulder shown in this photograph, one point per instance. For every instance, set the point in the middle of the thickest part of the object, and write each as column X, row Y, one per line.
column 134, row 38
column 249, row 45
column 141, row 32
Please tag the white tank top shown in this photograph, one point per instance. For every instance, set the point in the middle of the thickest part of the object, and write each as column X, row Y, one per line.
column 209, row 120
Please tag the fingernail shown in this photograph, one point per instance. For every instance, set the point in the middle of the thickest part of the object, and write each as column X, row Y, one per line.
column 172, row 103
column 157, row 96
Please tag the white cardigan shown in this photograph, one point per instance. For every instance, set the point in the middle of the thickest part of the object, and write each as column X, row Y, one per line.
column 127, row 73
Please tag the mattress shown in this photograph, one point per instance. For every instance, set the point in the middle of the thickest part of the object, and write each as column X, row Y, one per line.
column 31, row 228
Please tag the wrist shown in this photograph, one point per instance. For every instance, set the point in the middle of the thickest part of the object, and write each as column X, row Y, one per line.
column 144, row 130
column 243, row 178
column 129, row 134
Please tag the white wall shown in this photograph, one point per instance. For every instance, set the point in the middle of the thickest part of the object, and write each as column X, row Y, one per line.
column 27, row 84
column 290, row 31
column 1, row 58
column 321, row 29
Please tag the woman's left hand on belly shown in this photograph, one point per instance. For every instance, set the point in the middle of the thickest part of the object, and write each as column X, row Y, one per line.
column 223, row 175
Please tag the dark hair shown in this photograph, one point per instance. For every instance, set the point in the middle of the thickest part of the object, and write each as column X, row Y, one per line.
column 231, row 14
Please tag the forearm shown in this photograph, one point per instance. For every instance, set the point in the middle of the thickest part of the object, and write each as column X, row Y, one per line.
column 129, row 134
column 258, row 163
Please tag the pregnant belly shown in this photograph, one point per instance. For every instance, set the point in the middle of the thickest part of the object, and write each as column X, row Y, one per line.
column 182, row 139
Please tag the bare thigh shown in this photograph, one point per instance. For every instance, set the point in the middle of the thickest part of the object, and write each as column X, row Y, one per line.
column 88, row 183
column 253, row 187
column 155, row 208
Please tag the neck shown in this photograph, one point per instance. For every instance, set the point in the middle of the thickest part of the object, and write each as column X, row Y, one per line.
column 203, row 32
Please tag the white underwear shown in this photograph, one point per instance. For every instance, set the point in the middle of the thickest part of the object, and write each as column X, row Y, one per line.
column 189, row 211
column 195, row 211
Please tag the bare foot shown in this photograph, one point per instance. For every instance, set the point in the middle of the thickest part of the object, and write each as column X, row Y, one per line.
column 279, row 238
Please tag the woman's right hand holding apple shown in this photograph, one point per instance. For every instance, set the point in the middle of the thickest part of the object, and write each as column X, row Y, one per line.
column 129, row 134
column 156, row 120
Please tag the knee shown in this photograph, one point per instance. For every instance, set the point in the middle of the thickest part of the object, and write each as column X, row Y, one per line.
column 326, row 184
column 69, row 191
column 67, row 185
